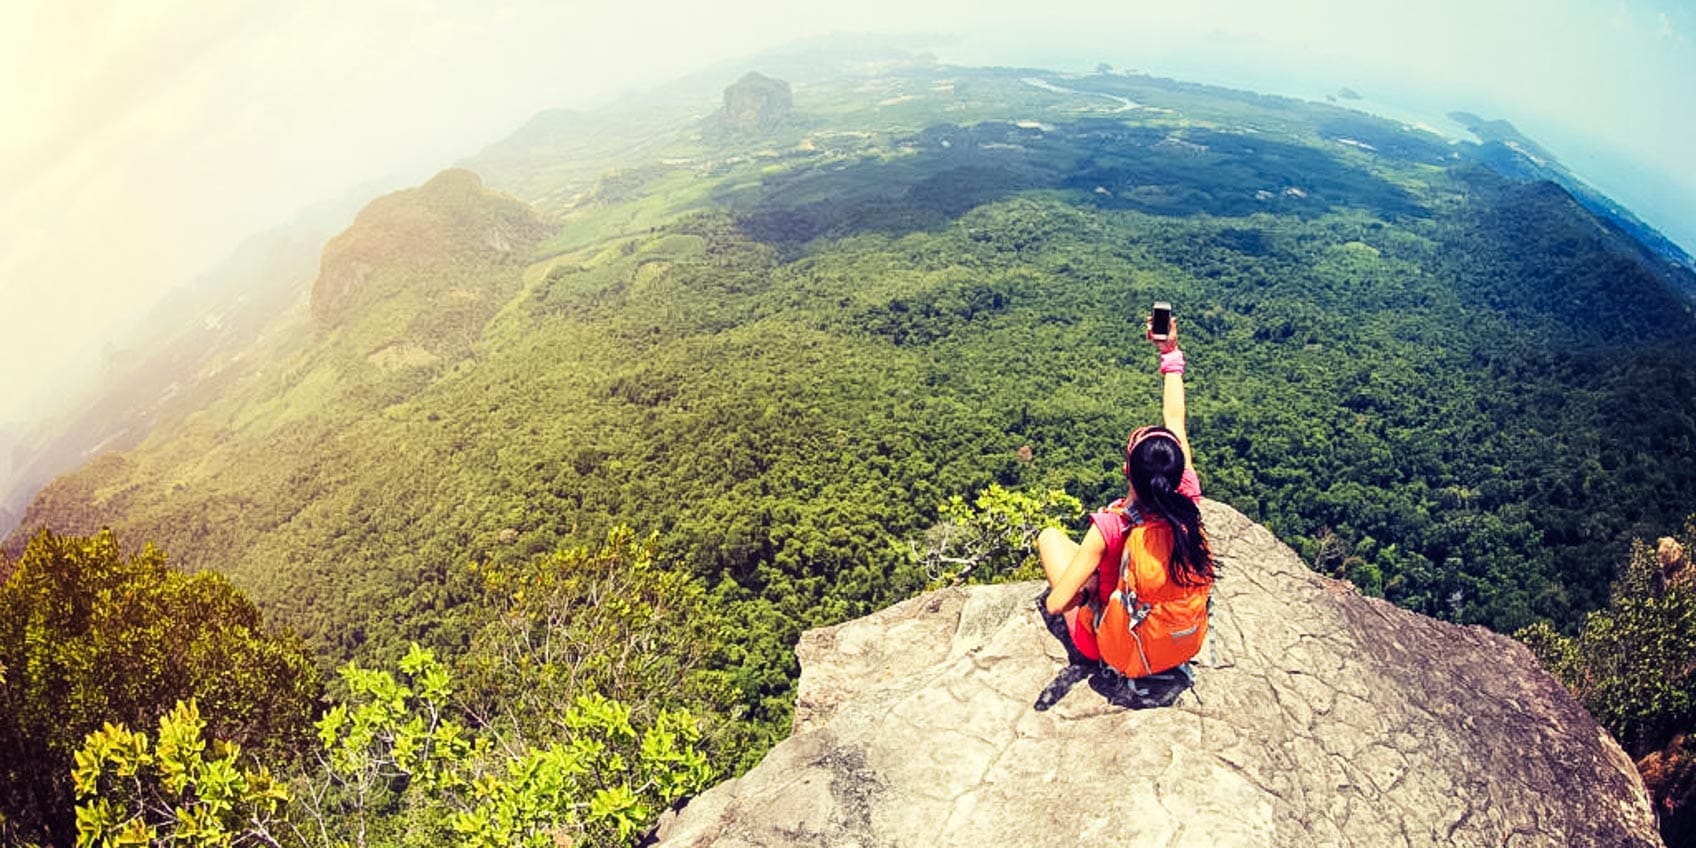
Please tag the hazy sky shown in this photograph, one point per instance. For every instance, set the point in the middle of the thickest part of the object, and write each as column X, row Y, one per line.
column 143, row 140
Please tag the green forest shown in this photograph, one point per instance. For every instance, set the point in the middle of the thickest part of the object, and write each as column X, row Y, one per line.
column 759, row 361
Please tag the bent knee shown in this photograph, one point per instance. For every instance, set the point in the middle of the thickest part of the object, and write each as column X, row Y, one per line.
column 1054, row 548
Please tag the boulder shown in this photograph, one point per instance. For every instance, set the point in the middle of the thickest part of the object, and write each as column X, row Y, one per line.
column 1318, row 717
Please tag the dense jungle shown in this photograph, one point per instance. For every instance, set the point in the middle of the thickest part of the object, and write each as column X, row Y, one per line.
column 597, row 422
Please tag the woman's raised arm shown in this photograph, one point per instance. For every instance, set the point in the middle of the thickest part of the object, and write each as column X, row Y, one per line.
column 1172, row 409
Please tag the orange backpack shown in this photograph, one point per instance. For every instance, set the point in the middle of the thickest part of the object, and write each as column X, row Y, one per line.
column 1148, row 623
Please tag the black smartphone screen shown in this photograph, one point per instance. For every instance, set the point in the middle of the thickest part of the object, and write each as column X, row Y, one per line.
column 1162, row 320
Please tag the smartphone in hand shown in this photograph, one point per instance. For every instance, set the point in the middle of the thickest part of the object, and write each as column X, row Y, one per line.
column 1160, row 321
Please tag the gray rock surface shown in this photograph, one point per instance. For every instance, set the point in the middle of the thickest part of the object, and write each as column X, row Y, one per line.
column 1319, row 717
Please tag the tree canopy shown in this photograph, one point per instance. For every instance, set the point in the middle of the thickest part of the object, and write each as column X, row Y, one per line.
column 90, row 636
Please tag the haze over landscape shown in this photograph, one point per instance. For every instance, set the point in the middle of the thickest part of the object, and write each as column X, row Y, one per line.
column 503, row 426
column 145, row 141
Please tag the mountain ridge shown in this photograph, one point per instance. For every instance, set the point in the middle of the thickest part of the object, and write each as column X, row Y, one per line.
column 782, row 355
column 1514, row 155
column 432, row 310
column 180, row 355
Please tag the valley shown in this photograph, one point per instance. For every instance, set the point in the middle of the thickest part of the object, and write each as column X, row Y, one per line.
column 776, row 344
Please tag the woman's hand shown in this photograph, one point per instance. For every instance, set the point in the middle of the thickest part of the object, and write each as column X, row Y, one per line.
column 1168, row 344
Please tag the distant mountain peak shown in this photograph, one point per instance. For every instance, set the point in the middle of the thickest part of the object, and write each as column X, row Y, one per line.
column 756, row 102
column 1509, row 152
column 452, row 219
column 453, row 181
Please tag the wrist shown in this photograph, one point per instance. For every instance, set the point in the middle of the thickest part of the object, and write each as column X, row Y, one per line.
column 1172, row 362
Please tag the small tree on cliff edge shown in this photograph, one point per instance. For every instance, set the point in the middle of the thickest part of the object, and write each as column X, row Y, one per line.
column 1633, row 664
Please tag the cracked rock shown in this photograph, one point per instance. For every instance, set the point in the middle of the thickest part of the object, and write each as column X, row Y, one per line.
column 1318, row 717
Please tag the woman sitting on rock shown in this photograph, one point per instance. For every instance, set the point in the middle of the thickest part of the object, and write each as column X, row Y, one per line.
column 1134, row 593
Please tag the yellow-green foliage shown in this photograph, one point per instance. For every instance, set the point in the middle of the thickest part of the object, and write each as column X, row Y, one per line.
column 994, row 537
column 396, row 767
column 90, row 637
column 611, row 619
column 781, row 356
column 173, row 791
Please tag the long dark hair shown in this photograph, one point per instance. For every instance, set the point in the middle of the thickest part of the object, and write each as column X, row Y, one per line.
column 1155, row 464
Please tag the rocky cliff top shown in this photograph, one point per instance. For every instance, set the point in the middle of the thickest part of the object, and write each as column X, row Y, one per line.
column 757, row 102
column 1318, row 717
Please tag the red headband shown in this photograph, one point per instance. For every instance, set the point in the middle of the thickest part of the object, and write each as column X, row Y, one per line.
column 1142, row 434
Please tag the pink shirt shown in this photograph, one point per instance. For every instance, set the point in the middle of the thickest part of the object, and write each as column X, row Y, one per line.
column 1083, row 635
column 1189, row 486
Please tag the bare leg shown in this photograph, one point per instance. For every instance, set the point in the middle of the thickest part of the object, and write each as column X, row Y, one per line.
column 1055, row 549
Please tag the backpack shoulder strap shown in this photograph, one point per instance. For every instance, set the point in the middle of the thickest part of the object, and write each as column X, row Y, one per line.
column 1128, row 575
column 1133, row 516
column 1116, row 524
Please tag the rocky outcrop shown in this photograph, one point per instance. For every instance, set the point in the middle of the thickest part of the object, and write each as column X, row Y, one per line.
column 1670, row 775
column 756, row 103
column 1318, row 717
column 1674, row 562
